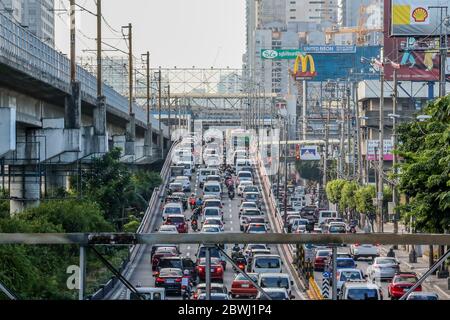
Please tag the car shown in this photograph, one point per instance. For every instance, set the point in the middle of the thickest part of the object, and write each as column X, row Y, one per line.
column 166, row 228
column 176, row 187
column 147, row 293
column 364, row 251
column 214, row 296
column 214, row 253
column 203, row 173
column 212, row 212
column 251, row 188
column 254, row 252
column 360, row 290
column 342, row 263
column 348, row 274
column 310, row 213
column 211, row 229
column 160, row 253
column 181, row 198
column 258, row 219
column 215, row 288
column 423, row 296
column 337, row 227
column 214, row 222
column 252, row 197
column 213, row 161
column 172, row 208
column 170, row 280
column 179, row 221
column 401, row 283
column 212, row 188
column 173, row 247
column 176, row 262
column 291, row 217
column 305, row 222
column 275, row 280
column 325, row 214
column 249, row 247
column 244, row 176
column 246, row 215
column 186, row 183
column 266, row 263
column 275, row 294
column 242, row 186
column 383, row 268
column 247, row 205
column 214, row 202
column 242, row 287
column 321, row 258
column 256, row 228
column 216, row 269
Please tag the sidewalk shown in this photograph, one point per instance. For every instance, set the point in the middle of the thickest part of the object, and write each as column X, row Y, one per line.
column 432, row 283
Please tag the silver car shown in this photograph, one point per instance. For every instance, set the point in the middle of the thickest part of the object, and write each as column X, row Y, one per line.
column 383, row 268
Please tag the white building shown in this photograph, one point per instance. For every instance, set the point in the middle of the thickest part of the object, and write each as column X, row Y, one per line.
column 39, row 17
column 12, row 7
column 312, row 11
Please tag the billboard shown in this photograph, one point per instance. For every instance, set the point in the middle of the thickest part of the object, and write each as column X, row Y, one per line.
column 280, row 54
column 375, row 144
column 309, row 153
column 417, row 18
column 418, row 57
column 304, row 67
column 329, row 49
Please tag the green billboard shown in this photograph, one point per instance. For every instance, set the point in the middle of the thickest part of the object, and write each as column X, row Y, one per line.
column 280, row 54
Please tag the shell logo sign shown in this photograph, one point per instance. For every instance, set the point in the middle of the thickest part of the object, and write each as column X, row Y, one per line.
column 420, row 14
column 304, row 68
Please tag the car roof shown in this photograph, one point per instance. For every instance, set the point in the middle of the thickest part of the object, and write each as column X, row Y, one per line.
column 246, row 172
column 275, row 290
column 176, row 216
column 274, row 274
column 173, row 204
column 360, row 284
column 266, row 256
column 350, row 270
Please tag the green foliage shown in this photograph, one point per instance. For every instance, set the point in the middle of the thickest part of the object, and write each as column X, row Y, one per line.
column 334, row 190
column 309, row 170
column 425, row 170
column 364, row 199
column 348, row 192
column 4, row 204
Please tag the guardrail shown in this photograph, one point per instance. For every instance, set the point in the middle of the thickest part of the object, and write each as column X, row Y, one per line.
column 144, row 227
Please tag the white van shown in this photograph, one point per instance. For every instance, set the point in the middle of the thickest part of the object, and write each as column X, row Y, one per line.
column 298, row 202
column 147, row 293
column 242, row 163
column 188, row 168
column 212, row 188
column 266, row 263
column 324, row 214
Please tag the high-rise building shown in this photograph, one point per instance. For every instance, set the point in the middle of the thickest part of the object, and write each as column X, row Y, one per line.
column 312, row 11
column 272, row 13
column 12, row 7
column 39, row 17
column 370, row 11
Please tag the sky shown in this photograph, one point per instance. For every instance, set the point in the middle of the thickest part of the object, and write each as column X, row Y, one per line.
column 182, row 33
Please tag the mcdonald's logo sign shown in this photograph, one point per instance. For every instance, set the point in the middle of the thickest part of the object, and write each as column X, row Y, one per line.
column 301, row 71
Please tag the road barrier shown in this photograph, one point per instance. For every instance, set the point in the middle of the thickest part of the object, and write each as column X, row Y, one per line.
column 314, row 291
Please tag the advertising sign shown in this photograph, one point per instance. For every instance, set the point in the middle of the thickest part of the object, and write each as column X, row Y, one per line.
column 304, row 67
column 309, row 153
column 329, row 49
column 418, row 57
column 417, row 18
column 280, row 54
column 374, row 144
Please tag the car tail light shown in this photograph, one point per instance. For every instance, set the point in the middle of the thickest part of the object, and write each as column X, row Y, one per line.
column 201, row 269
column 178, row 280
column 219, row 269
column 377, row 244
column 241, row 266
column 195, row 296
column 356, row 244
column 159, row 280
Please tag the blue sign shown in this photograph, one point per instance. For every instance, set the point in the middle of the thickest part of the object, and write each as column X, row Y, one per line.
column 326, row 275
column 329, row 49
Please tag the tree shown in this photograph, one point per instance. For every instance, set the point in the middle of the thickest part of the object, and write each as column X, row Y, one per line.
column 364, row 199
column 425, row 169
column 309, row 170
column 334, row 190
column 348, row 201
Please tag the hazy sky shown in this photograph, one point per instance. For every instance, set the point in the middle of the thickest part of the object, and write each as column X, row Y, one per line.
column 182, row 33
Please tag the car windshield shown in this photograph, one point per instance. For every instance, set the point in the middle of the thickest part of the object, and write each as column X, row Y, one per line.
column 212, row 188
column 170, row 273
column 177, row 219
column 257, row 227
column 251, row 189
column 275, row 282
column 345, row 263
column 337, row 229
column 211, row 212
column 362, row 294
column 214, row 252
column 252, row 213
column 263, row 262
column 249, row 205
column 301, row 222
column 350, row 275
column 241, row 277
column 251, row 196
column 170, row 263
column 172, row 210
column 405, row 280
column 213, row 178
column 323, row 253
column 215, row 222
column 211, row 229
column 385, row 261
column 212, row 204
column 245, row 175
column 422, row 297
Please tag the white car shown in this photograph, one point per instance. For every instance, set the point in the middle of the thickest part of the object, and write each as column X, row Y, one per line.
column 212, row 189
column 211, row 212
column 383, row 268
column 185, row 182
column 364, row 251
column 165, row 228
column 267, row 263
column 275, row 294
column 256, row 228
column 360, row 290
column 244, row 176
column 275, row 280
column 241, row 187
column 214, row 221
column 172, row 208
column 211, row 229
column 348, row 274
column 247, row 205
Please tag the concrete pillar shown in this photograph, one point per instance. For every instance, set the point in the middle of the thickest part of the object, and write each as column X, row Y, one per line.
column 25, row 188
column 148, row 141
column 100, row 136
column 130, row 136
column 72, row 110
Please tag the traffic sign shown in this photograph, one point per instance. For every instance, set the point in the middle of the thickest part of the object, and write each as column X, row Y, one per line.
column 326, row 275
column 326, row 288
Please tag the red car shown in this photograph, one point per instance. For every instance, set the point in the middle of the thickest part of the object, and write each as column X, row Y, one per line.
column 179, row 221
column 321, row 259
column 241, row 287
column 162, row 252
column 401, row 283
column 216, row 269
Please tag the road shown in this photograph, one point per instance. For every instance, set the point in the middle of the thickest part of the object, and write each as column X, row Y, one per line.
column 141, row 272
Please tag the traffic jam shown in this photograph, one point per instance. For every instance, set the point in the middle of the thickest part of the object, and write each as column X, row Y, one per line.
column 209, row 194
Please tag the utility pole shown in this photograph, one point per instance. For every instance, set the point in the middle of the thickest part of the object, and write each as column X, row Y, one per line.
column 130, row 65
column 342, row 129
column 161, row 135
column 394, row 160
column 358, row 137
column 147, row 65
column 99, row 49
column 73, row 67
column 348, row 118
column 327, row 137
column 443, row 49
column 286, row 126
column 168, row 106
column 381, row 147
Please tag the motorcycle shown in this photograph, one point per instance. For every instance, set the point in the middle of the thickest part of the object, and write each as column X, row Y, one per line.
column 231, row 194
column 194, row 225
